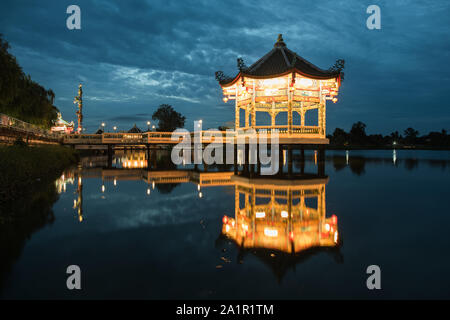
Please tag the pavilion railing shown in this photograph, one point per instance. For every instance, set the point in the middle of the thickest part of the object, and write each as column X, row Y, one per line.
column 283, row 129
column 25, row 127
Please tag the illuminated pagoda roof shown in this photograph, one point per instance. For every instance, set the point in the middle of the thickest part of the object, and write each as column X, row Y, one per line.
column 278, row 62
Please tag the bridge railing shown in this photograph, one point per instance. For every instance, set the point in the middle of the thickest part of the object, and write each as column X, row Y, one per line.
column 124, row 138
column 83, row 138
column 208, row 136
column 25, row 127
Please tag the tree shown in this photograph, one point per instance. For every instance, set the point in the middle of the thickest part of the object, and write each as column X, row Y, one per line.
column 168, row 118
column 395, row 137
column 21, row 97
column 358, row 133
column 339, row 137
column 411, row 135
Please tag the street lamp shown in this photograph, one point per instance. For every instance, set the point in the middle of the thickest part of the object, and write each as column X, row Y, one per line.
column 103, row 126
column 148, row 125
column 114, row 128
column 153, row 127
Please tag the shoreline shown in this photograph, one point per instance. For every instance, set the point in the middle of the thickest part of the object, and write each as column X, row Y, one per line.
column 24, row 168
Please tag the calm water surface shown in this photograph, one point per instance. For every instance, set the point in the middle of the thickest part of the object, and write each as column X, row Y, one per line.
column 138, row 233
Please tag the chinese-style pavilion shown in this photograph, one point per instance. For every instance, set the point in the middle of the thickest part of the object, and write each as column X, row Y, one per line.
column 282, row 81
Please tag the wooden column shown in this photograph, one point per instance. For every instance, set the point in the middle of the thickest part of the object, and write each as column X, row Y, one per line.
column 247, row 120
column 253, row 202
column 324, row 119
column 290, row 120
column 273, row 115
column 254, row 105
column 237, row 109
column 320, row 112
column 302, row 114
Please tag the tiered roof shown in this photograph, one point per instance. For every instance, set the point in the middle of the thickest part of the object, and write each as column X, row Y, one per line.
column 280, row 61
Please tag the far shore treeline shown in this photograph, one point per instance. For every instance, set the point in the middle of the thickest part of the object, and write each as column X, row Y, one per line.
column 21, row 97
column 357, row 137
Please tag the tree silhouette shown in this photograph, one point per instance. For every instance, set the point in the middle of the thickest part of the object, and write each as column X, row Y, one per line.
column 411, row 135
column 20, row 97
column 168, row 118
column 358, row 133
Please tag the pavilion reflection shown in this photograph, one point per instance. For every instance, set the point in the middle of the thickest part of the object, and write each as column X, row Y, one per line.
column 281, row 221
column 284, row 215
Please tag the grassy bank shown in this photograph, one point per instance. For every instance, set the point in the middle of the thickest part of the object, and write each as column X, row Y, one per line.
column 23, row 168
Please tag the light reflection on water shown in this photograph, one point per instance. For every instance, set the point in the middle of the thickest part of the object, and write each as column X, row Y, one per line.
column 172, row 232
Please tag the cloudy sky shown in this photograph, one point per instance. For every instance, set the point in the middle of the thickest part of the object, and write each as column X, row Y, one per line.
column 133, row 55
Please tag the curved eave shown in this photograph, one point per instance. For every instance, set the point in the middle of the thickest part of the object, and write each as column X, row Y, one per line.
column 231, row 82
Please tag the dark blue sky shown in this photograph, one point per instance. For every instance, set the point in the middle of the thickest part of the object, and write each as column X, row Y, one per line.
column 133, row 55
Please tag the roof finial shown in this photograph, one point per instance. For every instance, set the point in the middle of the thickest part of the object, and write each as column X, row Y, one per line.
column 280, row 41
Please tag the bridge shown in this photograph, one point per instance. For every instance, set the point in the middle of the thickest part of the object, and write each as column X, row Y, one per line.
column 12, row 129
column 299, row 136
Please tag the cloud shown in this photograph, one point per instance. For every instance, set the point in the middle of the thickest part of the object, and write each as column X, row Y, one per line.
column 132, row 56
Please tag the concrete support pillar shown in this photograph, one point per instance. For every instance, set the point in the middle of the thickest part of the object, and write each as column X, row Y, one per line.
column 302, row 160
column 235, row 157
column 280, row 160
column 290, row 160
column 148, row 157
column 246, row 157
column 110, row 155
column 321, row 161
column 258, row 161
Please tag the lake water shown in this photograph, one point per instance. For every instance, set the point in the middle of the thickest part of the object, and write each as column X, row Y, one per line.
column 161, row 233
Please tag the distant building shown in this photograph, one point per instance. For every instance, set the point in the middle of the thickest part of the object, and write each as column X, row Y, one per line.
column 62, row 126
column 135, row 129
